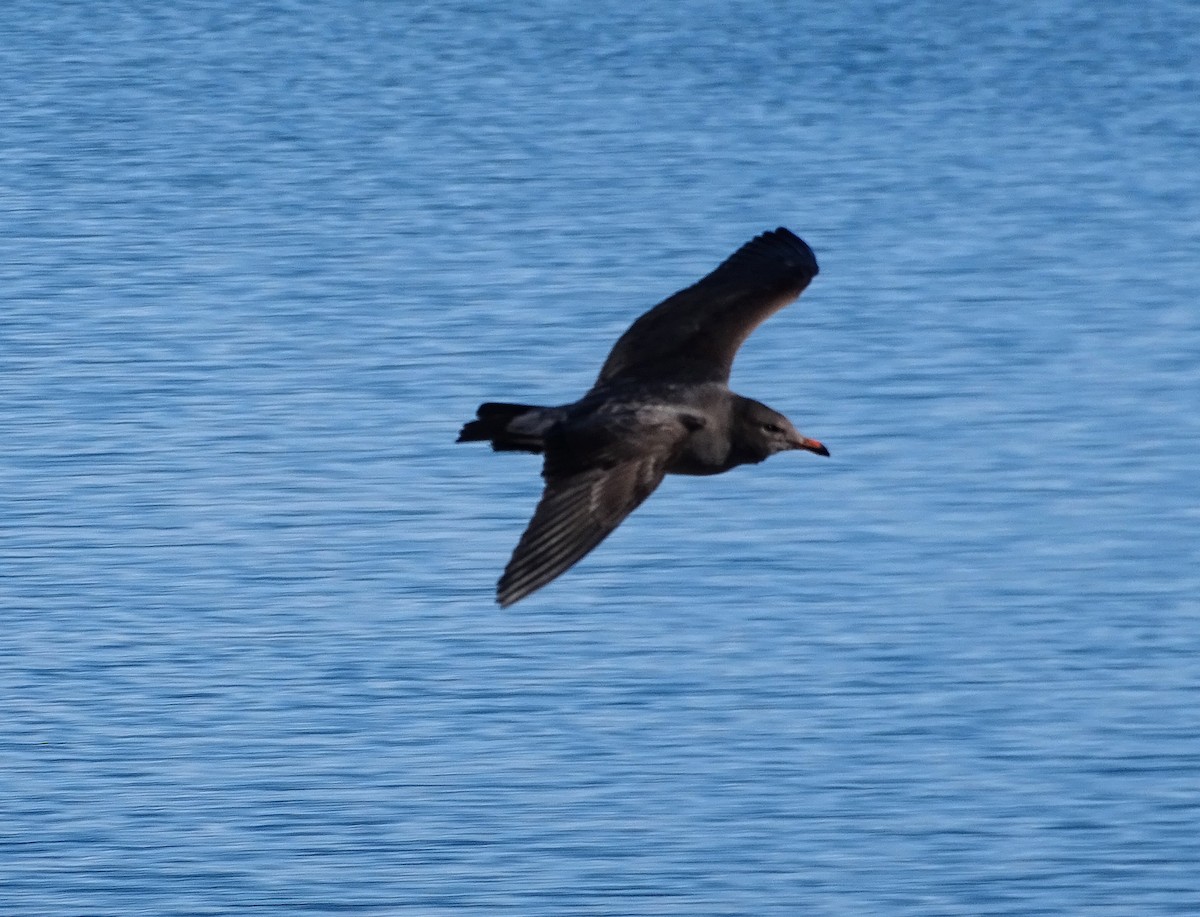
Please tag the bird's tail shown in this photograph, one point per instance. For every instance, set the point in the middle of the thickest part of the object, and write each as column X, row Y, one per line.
column 508, row 427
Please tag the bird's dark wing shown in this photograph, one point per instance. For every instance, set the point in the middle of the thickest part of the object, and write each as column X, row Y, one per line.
column 587, row 497
column 694, row 335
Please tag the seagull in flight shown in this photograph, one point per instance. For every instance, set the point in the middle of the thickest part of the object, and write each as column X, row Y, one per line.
column 660, row 406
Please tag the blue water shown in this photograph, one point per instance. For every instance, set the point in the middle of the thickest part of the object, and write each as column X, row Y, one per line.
column 260, row 261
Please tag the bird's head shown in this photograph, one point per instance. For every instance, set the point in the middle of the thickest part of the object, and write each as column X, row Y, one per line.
column 760, row 432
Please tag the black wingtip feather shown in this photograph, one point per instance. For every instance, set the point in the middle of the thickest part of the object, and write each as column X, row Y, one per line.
column 782, row 241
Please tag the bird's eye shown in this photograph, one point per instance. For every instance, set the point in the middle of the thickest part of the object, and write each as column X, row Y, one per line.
column 772, row 428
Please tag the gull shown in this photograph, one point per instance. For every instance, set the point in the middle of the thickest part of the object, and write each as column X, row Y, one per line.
column 661, row 405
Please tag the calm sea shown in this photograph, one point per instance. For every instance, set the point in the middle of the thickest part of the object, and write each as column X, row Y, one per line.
column 259, row 261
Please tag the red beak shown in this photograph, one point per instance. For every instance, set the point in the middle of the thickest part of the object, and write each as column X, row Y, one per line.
column 811, row 445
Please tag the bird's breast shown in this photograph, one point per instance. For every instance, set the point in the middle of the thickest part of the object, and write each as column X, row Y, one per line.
column 705, row 451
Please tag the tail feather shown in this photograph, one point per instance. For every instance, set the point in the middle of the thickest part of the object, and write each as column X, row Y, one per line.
column 492, row 425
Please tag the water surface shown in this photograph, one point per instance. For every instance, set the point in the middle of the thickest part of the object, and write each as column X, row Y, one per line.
column 260, row 263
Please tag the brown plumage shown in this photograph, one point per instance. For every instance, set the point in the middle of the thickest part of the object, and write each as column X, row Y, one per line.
column 660, row 406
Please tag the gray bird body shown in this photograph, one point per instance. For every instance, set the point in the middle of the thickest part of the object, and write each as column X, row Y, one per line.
column 661, row 405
